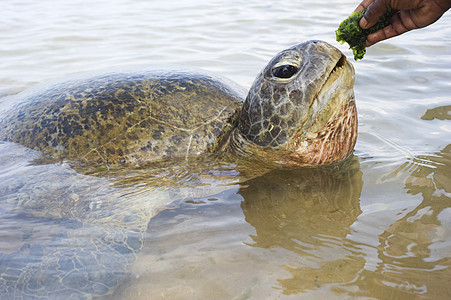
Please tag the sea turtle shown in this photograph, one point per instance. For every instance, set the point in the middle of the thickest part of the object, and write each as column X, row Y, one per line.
column 300, row 111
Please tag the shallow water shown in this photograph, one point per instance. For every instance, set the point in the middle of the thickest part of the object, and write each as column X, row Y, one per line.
column 381, row 228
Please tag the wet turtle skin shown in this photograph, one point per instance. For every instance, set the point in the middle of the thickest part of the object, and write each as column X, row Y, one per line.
column 124, row 118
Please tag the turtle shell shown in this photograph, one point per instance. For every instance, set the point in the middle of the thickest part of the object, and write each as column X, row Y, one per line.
column 129, row 118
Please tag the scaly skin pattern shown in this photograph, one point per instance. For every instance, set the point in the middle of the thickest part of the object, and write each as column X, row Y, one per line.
column 335, row 142
column 306, row 117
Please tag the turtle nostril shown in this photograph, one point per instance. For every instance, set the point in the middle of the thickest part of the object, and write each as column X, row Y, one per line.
column 285, row 71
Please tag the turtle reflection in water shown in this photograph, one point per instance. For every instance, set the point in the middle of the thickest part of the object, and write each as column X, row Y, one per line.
column 300, row 111
column 309, row 217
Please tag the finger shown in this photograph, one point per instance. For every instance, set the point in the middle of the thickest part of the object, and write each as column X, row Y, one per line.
column 363, row 5
column 397, row 27
column 373, row 13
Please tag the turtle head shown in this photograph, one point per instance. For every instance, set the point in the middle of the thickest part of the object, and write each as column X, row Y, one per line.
column 300, row 110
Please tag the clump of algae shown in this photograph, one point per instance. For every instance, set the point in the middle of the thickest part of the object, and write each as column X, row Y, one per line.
column 350, row 32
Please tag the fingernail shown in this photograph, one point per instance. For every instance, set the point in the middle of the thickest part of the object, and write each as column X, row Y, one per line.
column 363, row 23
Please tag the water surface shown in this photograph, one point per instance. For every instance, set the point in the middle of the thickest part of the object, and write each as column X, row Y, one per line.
column 380, row 228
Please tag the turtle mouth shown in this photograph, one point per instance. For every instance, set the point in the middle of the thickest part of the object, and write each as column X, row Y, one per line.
column 330, row 133
column 340, row 63
column 337, row 86
column 337, row 71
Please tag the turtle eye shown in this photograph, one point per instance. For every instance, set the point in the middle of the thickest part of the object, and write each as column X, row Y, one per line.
column 285, row 71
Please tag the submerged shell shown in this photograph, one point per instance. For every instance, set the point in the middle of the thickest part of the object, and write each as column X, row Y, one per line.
column 129, row 118
column 86, row 231
column 67, row 235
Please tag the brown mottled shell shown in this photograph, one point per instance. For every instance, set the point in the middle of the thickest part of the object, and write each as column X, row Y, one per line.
column 127, row 118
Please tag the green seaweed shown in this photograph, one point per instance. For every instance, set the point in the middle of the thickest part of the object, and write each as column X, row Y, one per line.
column 350, row 32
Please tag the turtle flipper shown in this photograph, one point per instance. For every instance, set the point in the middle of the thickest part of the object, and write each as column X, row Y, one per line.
column 80, row 264
column 73, row 239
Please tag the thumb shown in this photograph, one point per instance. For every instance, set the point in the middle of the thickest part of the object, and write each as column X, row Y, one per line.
column 373, row 13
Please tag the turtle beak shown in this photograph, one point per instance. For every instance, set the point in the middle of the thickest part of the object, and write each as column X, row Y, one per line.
column 331, row 132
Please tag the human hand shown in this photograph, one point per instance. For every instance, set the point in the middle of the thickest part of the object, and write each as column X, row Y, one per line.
column 408, row 15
